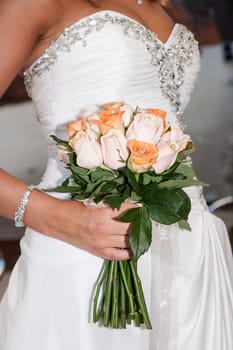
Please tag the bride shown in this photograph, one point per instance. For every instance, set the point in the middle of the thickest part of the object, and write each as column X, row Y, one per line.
column 74, row 54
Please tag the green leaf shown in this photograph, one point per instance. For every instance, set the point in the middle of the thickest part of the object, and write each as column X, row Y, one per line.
column 184, row 225
column 130, row 215
column 120, row 180
column 173, row 184
column 167, row 206
column 150, row 178
column 135, row 197
column 61, row 142
column 126, row 192
column 93, row 188
column 79, row 197
column 108, row 187
column 65, row 189
column 140, row 234
column 185, row 207
column 66, row 182
column 132, row 180
column 97, row 198
column 102, row 174
column 186, row 170
column 79, row 180
column 114, row 201
column 173, row 176
column 76, row 169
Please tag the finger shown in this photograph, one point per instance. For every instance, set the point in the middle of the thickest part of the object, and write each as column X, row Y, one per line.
column 118, row 241
column 115, row 227
column 117, row 254
column 103, row 221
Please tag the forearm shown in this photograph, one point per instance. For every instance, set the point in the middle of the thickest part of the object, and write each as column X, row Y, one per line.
column 91, row 229
column 40, row 211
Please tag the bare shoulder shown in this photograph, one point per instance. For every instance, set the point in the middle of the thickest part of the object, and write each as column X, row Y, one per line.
column 24, row 21
column 38, row 12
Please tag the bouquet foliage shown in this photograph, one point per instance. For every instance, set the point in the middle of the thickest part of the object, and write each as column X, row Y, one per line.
column 116, row 154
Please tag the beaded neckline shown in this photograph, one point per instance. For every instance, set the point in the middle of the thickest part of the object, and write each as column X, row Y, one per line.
column 170, row 58
column 92, row 16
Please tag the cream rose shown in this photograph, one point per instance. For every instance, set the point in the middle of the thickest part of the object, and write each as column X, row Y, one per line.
column 114, row 149
column 146, row 128
column 87, row 149
column 166, row 157
column 172, row 142
column 127, row 114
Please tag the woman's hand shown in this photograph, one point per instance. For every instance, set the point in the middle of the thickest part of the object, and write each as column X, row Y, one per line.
column 103, row 235
column 93, row 229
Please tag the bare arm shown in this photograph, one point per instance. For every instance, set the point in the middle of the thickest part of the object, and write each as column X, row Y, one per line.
column 91, row 229
column 20, row 28
column 22, row 22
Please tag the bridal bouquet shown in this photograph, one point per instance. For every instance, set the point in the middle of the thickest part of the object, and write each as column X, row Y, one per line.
column 117, row 154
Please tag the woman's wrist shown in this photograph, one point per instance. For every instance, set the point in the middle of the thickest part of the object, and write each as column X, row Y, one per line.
column 41, row 212
column 61, row 219
column 20, row 211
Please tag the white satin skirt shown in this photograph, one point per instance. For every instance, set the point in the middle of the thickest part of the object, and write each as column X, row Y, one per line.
column 187, row 279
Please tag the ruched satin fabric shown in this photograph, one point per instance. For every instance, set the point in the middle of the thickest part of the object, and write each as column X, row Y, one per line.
column 187, row 276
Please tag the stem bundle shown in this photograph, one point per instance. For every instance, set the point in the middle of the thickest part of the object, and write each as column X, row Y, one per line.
column 119, row 298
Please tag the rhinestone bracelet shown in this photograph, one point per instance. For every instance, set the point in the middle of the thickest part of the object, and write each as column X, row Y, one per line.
column 19, row 213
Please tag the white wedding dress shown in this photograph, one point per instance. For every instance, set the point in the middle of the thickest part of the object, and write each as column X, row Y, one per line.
column 187, row 276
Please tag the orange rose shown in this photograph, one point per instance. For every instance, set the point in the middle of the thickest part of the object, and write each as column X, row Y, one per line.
column 159, row 113
column 143, row 155
column 74, row 127
column 110, row 119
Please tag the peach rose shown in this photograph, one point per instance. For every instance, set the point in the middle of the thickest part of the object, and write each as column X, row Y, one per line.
column 146, row 128
column 142, row 155
column 125, row 108
column 114, row 149
column 110, row 119
column 76, row 126
column 87, row 149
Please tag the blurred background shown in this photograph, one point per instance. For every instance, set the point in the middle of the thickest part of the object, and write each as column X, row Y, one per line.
column 209, row 119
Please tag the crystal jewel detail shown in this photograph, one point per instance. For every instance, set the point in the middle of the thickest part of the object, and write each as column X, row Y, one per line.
column 170, row 60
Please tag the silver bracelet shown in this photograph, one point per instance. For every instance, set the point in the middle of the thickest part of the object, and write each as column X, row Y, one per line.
column 19, row 213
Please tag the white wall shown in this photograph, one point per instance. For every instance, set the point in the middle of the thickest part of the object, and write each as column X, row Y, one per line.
column 22, row 145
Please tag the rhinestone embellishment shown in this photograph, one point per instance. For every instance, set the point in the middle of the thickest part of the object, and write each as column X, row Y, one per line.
column 170, row 60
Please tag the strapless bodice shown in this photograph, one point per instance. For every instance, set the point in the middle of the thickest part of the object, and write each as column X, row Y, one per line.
column 107, row 57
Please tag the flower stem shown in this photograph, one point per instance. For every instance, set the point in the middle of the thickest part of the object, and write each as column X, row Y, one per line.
column 140, row 294
column 108, row 294
column 97, row 314
column 115, row 297
column 100, row 308
column 122, row 304
column 127, row 288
